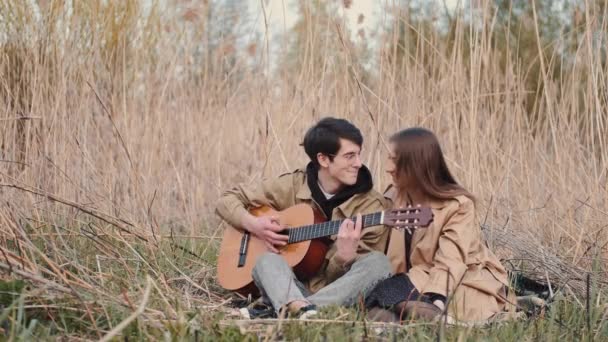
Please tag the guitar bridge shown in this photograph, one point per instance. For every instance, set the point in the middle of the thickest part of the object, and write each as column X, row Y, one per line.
column 243, row 249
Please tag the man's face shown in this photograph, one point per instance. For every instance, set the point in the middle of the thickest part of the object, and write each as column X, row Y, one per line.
column 346, row 163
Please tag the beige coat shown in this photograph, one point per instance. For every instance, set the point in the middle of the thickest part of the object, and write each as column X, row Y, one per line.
column 291, row 189
column 450, row 258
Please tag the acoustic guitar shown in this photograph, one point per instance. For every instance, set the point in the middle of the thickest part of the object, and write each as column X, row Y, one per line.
column 307, row 244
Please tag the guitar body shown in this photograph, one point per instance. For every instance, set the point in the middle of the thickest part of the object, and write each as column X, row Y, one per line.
column 306, row 252
column 305, row 257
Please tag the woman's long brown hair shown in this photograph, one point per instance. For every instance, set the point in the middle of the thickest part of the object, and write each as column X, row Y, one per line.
column 419, row 160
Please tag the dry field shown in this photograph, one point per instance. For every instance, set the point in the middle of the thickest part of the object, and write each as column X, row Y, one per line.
column 119, row 128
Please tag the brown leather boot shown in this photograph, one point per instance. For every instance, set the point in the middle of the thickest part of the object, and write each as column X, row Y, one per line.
column 382, row 315
column 414, row 309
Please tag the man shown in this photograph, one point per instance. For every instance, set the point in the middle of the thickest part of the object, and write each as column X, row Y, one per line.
column 339, row 186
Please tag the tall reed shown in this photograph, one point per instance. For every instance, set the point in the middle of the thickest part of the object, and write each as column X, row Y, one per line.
column 117, row 117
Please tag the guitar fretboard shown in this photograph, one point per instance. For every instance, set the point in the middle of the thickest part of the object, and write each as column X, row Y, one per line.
column 318, row 230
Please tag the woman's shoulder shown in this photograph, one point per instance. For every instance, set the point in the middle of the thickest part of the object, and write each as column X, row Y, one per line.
column 456, row 203
column 453, row 210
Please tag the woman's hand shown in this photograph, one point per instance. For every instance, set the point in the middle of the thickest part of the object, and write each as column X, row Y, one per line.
column 439, row 303
column 437, row 299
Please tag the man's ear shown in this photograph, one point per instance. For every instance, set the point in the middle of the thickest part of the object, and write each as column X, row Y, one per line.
column 323, row 160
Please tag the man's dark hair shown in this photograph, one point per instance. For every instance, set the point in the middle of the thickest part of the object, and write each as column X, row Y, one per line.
column 324, row 137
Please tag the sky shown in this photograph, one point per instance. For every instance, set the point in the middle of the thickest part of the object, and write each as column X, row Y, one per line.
column 281, row 15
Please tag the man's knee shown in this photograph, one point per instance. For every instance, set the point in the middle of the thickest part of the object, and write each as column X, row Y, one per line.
column 376, row 264
column 267, row 260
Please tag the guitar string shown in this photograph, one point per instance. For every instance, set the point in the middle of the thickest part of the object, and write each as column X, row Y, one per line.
column 310, row 232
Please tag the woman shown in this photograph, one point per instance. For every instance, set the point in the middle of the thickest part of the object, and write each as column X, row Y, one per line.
column 446, row 263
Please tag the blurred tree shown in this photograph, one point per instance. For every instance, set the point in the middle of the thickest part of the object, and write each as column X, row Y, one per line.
column 320, row 45
column 422, row 29
column 413, row 33
column 225, row 27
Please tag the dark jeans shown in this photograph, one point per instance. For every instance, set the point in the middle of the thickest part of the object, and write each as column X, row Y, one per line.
column 394, row 290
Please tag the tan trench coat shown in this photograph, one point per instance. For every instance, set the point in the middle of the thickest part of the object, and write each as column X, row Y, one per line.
column 450, row 258
column 291, row 189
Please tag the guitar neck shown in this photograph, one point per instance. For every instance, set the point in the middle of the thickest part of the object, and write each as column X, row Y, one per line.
column 319, row 230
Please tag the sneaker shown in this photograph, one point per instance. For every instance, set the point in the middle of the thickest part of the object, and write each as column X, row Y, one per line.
column 252, row 313
column 257, row 310
column 307, row 312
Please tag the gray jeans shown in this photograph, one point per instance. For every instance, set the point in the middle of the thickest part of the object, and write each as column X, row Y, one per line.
column 279, row 285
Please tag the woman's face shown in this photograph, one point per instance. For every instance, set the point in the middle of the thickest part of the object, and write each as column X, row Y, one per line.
column 391, row 163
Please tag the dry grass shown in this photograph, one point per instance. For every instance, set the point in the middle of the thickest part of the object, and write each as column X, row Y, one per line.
column 118, row 131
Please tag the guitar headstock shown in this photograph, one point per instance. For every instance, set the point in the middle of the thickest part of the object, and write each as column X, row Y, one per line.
column 408, row 218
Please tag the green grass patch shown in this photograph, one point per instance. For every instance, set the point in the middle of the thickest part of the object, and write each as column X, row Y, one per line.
column 187, row 304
